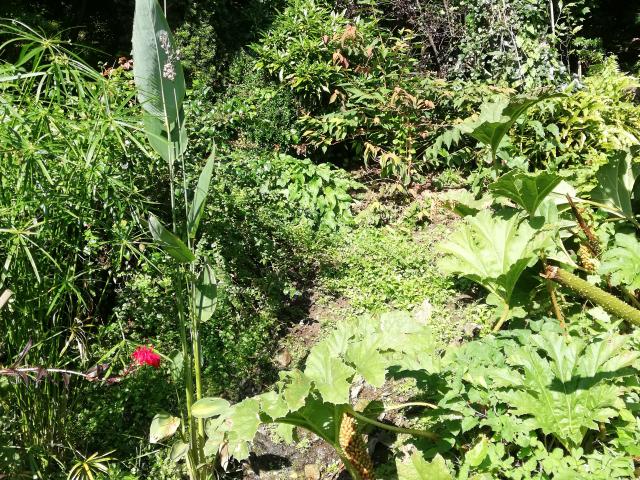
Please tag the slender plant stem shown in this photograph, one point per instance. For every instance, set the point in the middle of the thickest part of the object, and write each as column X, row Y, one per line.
column 393, row 428
column 502, row 319
column 410, row 404
column 556, row 307
column 187, row 364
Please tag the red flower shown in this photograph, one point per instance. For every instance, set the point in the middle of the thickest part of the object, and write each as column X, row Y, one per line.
column 146, row 356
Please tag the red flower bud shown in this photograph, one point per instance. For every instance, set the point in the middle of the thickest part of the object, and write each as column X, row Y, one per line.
column 146, row 356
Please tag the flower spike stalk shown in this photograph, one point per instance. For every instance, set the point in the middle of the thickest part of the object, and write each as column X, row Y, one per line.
column 611, row 304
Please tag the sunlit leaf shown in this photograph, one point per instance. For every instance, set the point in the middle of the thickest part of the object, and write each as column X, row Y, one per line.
column 205, row 293
column 159, row 79
column 168, row 242
column 622, row 262
column 492, row 252
column 209, row 407
column 615, row 185
column 329, row 374
column 162, row 427
column 526, row 190
column 417, row 468
column 200, row 197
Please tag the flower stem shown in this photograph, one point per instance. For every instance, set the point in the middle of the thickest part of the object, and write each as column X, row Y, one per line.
column 596, row 295
column 393, row 428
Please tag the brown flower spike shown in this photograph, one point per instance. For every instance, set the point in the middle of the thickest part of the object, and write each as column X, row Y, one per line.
column 354, row 448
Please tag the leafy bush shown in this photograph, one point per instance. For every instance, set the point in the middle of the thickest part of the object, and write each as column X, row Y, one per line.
column 519, row 43
column 580, row 130
column 356, row 80
column 252, row 112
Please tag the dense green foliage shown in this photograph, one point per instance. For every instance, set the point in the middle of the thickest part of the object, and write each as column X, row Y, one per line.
column 260, row 278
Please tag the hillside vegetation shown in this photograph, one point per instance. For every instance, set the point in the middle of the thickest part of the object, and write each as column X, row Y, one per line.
column 319, row 240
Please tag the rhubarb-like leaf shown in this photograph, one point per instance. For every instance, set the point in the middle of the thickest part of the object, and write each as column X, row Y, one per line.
column 560, row 383
column 368, row 361
column 492, row 252
column 330, row 375
column 526, row 190
column 615, row 185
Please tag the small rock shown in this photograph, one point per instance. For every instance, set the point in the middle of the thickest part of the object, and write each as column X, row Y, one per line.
column 311, row 472
column 470, row 329
column 283, row 358
column 424, row 311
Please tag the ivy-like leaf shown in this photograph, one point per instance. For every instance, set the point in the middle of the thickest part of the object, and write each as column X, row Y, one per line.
column 330, row 375
column 273, row 404
column 368, row 361
column 245, row 419
column 526, row 190
column 622, row 262
column 296, row 391
column 168, row 242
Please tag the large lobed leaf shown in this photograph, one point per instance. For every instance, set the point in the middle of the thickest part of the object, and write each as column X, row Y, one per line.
column 561, row 384
column 492, row 252
column 526, row 190
column 616, row 182
column 497, row 117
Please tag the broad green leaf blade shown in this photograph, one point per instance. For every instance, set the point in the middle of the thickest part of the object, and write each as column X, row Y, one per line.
column 526, row 190
column 322, row 418
column 157, row 72
column 179, row 451
column 205, row 293
column 168, row 242
column 368, row 361
column 200, row 197
column 417, row 468
column 273, row 405
column 497, row 117
column 245, row 419
column 566, row 389
column 622, row 262
column 330, row 375
column 210, row 407
column 615, row 183
column 492, row 252
column 159, row 78
column 478, row 453
column 162, row 427
column 295, row 393
column 168, row 145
